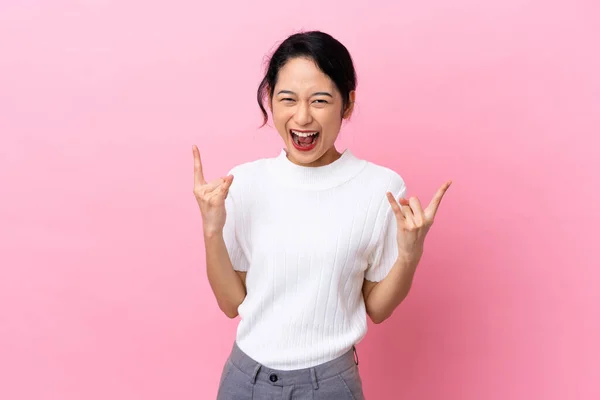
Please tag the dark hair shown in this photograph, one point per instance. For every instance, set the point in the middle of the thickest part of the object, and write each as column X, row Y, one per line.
column 329, row 55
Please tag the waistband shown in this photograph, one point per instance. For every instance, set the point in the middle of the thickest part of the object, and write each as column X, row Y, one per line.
column 257, row 372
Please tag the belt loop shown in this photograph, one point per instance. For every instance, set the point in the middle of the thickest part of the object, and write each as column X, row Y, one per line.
column 355, row 355
column 255, row 373
column 314, row 379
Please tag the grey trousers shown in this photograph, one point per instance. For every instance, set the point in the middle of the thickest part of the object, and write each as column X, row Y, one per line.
column 245, row 379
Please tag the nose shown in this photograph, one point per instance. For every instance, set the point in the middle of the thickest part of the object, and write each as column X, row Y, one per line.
column 303, row 115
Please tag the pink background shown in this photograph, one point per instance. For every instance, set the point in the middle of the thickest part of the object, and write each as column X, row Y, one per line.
column 103, row 290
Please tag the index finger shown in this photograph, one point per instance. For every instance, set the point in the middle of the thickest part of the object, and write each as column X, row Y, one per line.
column 437, row 199
column 198, row 174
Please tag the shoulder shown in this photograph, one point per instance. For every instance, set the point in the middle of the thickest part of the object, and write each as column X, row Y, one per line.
column 249, row 169
column 248, row 175
column 384, row 178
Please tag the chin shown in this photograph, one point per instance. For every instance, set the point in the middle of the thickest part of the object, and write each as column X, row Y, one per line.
column 314, row 158
column 303, row 157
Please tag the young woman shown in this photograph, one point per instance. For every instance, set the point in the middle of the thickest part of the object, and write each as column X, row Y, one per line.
column 304, row 245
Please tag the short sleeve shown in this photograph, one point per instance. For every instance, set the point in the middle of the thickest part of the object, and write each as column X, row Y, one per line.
column 233, row 223
column 384, row 255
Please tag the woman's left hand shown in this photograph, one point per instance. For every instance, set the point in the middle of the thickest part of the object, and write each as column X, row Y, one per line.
column 414, row 223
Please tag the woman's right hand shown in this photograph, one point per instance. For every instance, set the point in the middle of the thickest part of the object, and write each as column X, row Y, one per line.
column 210, row 197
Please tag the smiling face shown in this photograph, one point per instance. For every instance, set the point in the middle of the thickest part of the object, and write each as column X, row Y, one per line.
column 307, row 113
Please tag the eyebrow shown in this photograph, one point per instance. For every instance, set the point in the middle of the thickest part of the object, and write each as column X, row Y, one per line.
column 314, row 94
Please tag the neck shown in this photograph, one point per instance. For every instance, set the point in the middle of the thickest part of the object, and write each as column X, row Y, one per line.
column 330, row 156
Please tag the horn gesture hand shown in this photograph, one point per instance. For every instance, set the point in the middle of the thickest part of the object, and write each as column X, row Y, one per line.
column 414, row 222
column 210, row 197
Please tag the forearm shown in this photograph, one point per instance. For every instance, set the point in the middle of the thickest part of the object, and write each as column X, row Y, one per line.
column 391, row 291
column 226, row 284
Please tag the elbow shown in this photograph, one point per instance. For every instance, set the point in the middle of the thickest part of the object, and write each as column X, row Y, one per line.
column 230, row 310
column 378, row 316
column 383, row 313
column 378, row 319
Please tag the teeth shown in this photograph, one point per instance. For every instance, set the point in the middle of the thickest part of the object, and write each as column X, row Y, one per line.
column 304, row 134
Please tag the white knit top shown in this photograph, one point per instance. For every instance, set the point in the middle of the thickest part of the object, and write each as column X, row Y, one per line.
column 308, row 237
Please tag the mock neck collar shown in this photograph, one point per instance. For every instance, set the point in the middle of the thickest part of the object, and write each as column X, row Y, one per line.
column 327, row 176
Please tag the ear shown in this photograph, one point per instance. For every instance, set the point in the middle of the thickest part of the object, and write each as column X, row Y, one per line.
column 350, row 107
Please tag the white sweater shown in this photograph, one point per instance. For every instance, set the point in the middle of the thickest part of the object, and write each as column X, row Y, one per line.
column 308, row 237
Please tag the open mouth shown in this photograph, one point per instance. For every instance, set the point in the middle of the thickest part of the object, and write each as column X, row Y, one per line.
column 304, row 140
